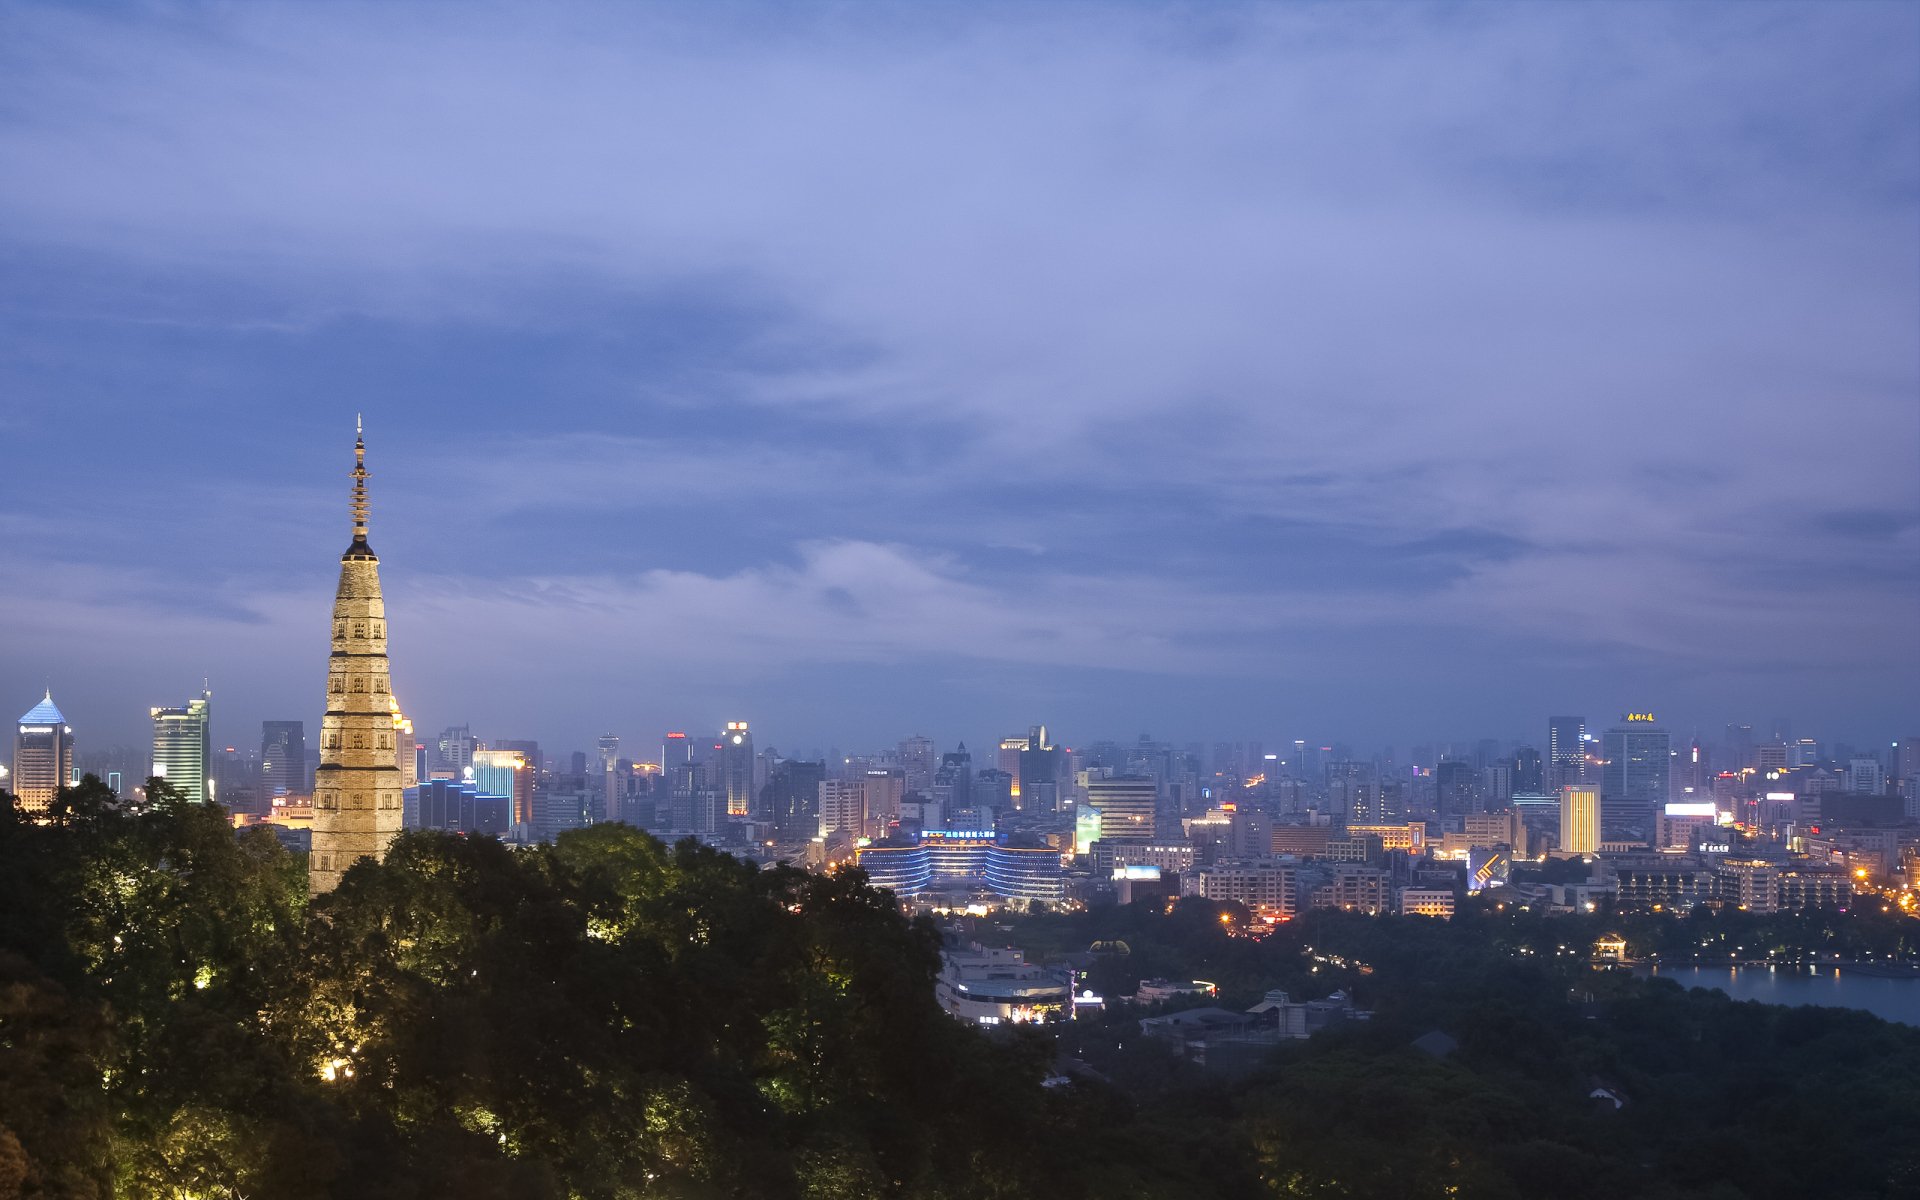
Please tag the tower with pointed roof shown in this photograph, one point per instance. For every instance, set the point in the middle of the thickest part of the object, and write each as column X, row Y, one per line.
column 356, row 791
column 42, row 756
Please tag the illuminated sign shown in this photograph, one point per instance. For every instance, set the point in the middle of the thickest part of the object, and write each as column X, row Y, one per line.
column 1647, row 717
column 1692, row 808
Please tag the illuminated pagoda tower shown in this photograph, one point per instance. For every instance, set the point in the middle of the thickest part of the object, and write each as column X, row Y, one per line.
column 356, row 792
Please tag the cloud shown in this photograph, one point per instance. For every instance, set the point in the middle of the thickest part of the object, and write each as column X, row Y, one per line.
column 1047, row 334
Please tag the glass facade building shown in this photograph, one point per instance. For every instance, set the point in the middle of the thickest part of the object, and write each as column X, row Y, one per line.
column 961, row 861
column 180, row 747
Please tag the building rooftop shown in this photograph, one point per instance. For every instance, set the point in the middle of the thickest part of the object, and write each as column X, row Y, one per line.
column 43, row 713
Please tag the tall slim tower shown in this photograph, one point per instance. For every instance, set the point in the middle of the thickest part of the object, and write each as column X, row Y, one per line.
column 736, row 768
column 180, row 747
column 356, row 791
column 42, row 756
column 283, row 758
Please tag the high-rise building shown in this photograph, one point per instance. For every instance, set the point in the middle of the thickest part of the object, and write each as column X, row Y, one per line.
column 953, row 782
column 1866, row 776
column 283, row 758
column 1008, row 760
column 735, row 754
column 917, row 760
column 842, row 807
column 356, row 792
column 453, row 751
column 1041, row 764
column 1456, row 788
column 180, row 748
column 1579, row 820
column 791, row 798
column 42, row 756
column 506, row 773
column 1635, row 773
column 1529, row 775
column 1127, row 806
column 609, row 807
column 1566, row 751
column 883, row 791
column 406, row 750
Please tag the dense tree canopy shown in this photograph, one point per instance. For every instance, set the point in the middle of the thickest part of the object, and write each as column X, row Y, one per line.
column 612, row 1017
column 604, row 1017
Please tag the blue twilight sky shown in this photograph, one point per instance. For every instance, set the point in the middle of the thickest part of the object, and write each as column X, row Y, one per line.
column 1384, row 373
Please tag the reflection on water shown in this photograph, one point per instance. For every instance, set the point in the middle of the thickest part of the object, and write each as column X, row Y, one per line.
column 1891, row 999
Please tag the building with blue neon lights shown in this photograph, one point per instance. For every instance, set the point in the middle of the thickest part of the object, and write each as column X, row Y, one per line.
column 945, row 861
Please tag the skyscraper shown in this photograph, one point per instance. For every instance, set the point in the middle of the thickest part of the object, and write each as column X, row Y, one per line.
column 453, row 751
column 506, row 773
column 736, row 768
column 356, row 791
column 42, row 756
column 609, row 745
column 1634, row 779
column 180, row 747
column 917, row 760
column 1579, row 820
column 283, row 758
column 1127, row 805
column 1041, row 765
column 1566, row 750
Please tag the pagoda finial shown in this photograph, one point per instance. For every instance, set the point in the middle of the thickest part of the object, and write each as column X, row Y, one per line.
column 359, row 506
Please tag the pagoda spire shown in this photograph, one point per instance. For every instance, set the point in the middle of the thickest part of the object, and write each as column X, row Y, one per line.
column 357, row 792
column 359, row 505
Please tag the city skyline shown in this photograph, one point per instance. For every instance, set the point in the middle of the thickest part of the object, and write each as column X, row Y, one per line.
column 1140, row 430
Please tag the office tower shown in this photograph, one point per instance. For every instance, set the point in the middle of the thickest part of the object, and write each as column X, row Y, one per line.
column 406, row 750
column 180, row 752
column 953, row 782
column 1907, row 759
column 506, row 773
column 356, row 791
column 791, row 798
column 283, row 758
column 1351, row 791
column 42, row 756
column 1008, row 761
column 1579, row 820
column 1739, row 747
column 1696, row 769
column 1127, row 806
column 883, row 790
column 1566, row 751
column 991, row 789
column 843, row 807
column 1529, row 774
column 236, row 780
column 1041, row 764
column 735, row 780
column 917, row 760
column 453, row 751
column 1634, row 775
column 609, row 807
column 1496, row 785
column 1455, row 788
column 1865, row 775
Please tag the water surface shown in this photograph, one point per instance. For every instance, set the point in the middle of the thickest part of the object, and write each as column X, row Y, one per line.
column 1890, row 999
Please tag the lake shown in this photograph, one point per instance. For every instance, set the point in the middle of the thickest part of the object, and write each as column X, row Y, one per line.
column 1890, row 999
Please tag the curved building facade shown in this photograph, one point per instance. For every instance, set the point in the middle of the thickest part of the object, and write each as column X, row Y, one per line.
column 944, row 861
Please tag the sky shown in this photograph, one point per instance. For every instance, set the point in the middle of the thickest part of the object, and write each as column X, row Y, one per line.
column 1389, row 374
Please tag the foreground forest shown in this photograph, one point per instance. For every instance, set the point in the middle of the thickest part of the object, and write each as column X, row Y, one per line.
column 611, row 1017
